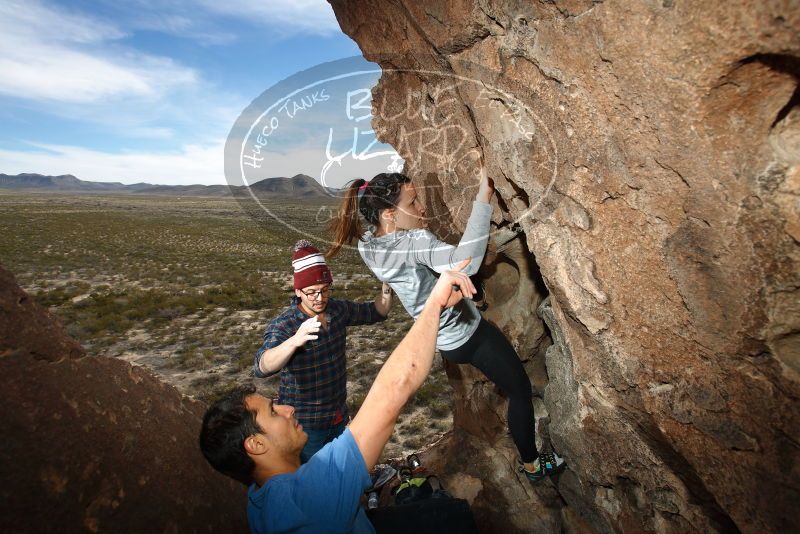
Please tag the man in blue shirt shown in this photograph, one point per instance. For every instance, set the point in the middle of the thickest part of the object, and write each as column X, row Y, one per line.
column 258, row 442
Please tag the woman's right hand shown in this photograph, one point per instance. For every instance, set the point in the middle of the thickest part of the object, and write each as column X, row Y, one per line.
column 486, row 187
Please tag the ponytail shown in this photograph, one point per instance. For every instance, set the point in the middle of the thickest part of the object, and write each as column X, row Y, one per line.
column 381, row 193
column 346, row 226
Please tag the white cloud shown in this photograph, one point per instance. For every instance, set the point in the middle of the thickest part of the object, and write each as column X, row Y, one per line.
column 53, row 55
column 39, row 71
column 71, row 65
column 32, row 17
column 183, row 18
column 205, row 22
column 192, row 164
column 281, row 16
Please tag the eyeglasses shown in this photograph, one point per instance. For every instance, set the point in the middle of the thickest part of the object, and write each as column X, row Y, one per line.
column 313, row 294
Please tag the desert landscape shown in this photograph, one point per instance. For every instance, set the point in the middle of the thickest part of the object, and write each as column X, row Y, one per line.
column 184, row 287
column 644, row 256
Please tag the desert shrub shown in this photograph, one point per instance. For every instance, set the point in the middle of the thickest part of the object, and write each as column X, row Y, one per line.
column 187, row 357
column 205, row 381
column 212, row 387
column 414, row 425
column 171, row 313
column 59, row 296
column 361, row 369
column 439, row 407
column 354, row 402
column 414, row 442
column 243, row 361
column 440, row 426
column 433, row 389
column 170, row 339
column 75, row 331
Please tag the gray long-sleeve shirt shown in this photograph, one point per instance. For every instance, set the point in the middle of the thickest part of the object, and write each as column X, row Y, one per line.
column 407, row 260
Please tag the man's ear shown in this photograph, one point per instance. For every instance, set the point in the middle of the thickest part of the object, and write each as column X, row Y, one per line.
column 256, row 444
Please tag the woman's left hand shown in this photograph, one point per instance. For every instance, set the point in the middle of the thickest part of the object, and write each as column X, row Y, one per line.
column 383, row 302
column 486, row 187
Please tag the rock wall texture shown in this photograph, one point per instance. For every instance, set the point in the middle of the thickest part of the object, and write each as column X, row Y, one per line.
column 648, row 154
column 95, row 445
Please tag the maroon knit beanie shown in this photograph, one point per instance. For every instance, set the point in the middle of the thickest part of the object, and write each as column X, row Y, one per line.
column 309, row 266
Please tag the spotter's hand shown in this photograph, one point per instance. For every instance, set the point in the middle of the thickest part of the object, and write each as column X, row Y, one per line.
column 453, row 286
column 308, row 331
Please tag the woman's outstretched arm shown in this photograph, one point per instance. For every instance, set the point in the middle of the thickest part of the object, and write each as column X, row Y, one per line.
column 441, row 257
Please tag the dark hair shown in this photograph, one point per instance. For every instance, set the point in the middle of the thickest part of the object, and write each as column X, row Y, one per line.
column 226, row 424
column 382, row 192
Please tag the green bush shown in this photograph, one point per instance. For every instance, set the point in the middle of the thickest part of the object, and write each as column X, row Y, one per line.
column 354, row 403
column 432, row 390
column 439, row 408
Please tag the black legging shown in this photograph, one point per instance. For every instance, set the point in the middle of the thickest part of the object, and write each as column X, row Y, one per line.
column 489, row 351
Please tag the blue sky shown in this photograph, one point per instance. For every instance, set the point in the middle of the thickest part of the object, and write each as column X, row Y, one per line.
column 148, row 90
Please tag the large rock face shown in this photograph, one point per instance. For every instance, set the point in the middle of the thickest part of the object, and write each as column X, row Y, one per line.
column 650, row 153
column 95, row 445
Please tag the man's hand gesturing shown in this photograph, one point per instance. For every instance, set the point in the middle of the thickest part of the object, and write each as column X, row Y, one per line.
column 307, row 331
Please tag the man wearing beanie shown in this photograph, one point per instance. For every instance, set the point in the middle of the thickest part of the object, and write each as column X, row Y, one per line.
column 306, row 343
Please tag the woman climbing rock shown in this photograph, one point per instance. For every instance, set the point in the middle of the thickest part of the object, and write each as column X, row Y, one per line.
column 401, row 252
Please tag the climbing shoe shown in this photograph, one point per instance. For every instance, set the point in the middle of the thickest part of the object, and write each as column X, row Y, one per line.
column 383, row 473
column 548, row 464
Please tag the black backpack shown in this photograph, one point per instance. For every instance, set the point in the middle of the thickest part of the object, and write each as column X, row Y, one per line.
column 433, row 515
column 423, row 508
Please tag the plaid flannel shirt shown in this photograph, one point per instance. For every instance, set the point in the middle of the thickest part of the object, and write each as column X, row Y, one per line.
column 314, row 380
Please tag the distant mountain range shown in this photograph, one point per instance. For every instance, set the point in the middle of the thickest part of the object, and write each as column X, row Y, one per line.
column 299, row 186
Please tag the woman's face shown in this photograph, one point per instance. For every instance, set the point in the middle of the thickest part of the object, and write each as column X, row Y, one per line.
column 410, row 213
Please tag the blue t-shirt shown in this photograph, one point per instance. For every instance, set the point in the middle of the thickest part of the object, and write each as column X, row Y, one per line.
column 321, row 496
